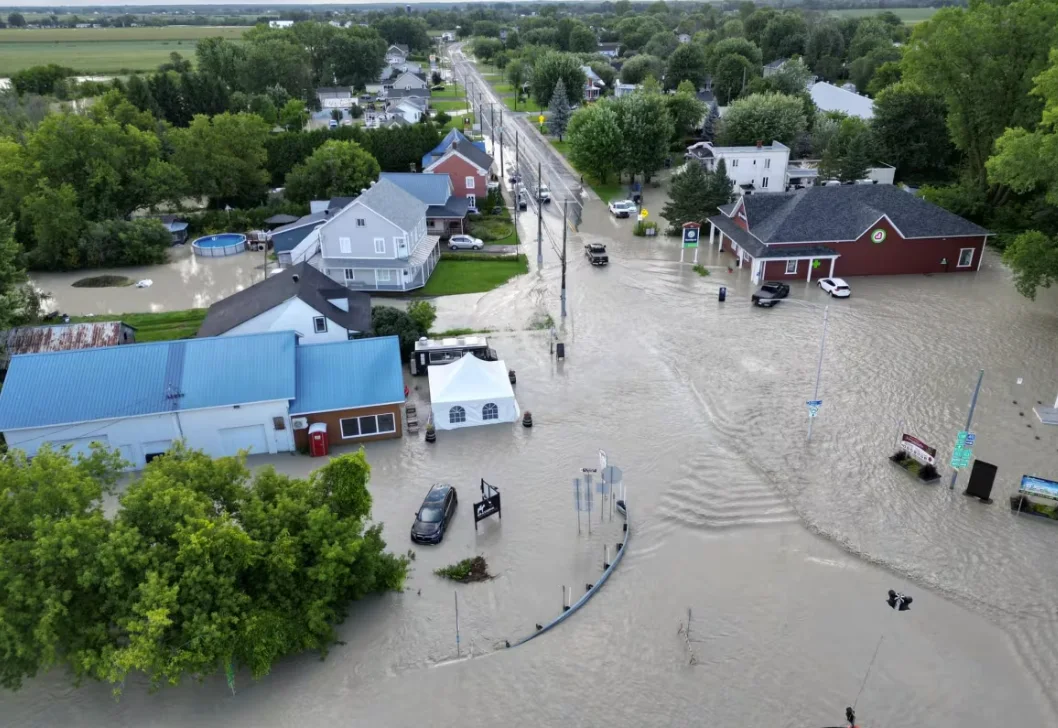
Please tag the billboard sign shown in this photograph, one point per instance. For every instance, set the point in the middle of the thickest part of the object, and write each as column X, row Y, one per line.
column 489, row 504
column 917, row 449
column 1040, row 487
column 690, row 235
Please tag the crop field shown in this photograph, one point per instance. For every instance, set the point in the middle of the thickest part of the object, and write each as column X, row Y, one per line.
column 910, row 16
column 102, row 50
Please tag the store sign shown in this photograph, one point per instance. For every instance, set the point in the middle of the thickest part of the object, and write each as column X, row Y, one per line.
column 878, row 236
column 489, row 504
column 1040, row 487
column 690, row 237
column 964, row 448
column 917, row 449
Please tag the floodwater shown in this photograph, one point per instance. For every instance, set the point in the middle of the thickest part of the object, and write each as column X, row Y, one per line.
column 782, row 549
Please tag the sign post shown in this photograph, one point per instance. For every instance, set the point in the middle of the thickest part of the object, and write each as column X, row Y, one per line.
column 691, row 232
column 966, row 431
column 489, row 504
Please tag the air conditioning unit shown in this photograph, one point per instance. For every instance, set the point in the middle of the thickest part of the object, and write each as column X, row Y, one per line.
column 300, row 423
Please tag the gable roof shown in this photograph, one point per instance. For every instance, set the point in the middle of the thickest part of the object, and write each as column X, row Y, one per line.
column 343, row 91
column 286, row 237
column 63, row 337
column 398, row 46
column 453, row 135
column 829, row 97
column 431, row 189
column 301, row 281
column 348, row 374
column 470, row 152
column 408, row 93
column 392, row 203
column 845, row 212
column 111, row 382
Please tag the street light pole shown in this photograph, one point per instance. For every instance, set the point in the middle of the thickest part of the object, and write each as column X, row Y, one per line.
column 819, row 367
column 539, row 220
column 565, row 227
column 969, row 421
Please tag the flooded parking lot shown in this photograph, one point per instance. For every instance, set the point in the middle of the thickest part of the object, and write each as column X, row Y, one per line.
column 783, row 549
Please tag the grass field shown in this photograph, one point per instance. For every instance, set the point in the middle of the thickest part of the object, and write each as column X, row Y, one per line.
column 102, row 50
column 908, row 15
column 449, row 92
column 607, row 192
column 448, row 106
column 524, row 105
column 472, row 276
column 156, row 326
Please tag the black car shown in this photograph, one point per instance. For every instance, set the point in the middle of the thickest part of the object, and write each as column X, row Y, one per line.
column 770, row 293
column 437, row 509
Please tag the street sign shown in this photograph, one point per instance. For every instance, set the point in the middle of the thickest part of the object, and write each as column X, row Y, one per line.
column 602, row 461
column 813, row 406
column 963, row 452
column 540, row 119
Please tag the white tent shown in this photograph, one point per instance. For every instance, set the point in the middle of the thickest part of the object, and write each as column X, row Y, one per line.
column 471, row 392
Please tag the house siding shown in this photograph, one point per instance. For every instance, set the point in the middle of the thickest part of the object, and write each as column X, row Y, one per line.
column 459, row 169
column 292, row 315
column 334, row 429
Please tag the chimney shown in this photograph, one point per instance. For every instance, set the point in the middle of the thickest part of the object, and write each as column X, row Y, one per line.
column 760, row 144
column 296, row 277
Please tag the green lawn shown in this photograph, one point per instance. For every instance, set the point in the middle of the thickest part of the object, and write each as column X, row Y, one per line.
column 523, row 105
column 503, row 88
column 156, row 326
column 472, row 276
column 449, row 92
column 448, row 105
column 909, row 15
column 456, row 122
column 103, row 50
column 608, row 191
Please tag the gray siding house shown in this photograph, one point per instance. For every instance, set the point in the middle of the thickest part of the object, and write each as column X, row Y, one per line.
column 378, row 242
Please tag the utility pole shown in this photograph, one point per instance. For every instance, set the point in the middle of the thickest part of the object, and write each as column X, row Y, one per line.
column 819, row 366
column 503, row 170
column 565, row 226
column 492, row 126
column 539, row 220
column 969, row 421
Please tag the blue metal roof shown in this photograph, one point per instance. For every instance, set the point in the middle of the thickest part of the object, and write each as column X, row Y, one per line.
column 429, row 188
column 454, row 135
column 348, row 374
column 66, row 387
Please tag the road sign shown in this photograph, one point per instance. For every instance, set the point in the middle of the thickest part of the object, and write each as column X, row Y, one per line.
column 963, row 452
column 643, row 212
column 813, row 406
column 540, row 119
column 602, row 461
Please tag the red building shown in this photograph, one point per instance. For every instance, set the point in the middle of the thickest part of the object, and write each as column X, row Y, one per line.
column 852, row 230
column 468, row 167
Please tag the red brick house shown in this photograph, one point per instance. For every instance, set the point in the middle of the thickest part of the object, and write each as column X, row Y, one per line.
column 469, row 169
column 852, row 230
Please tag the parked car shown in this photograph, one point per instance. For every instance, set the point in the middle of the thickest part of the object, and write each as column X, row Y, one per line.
column 770, row 293
column 465, row 242
column 543, row 194
column 436, row 512
column 622, row 208
column 596, row 254
column 523, row 199
column 333, row 124
column 836, row 287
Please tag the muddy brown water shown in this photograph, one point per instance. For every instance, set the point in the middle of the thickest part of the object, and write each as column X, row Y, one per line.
column 783, row 550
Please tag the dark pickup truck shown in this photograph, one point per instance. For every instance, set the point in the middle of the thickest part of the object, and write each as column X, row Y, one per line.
column 770, row 293
column 596, row 254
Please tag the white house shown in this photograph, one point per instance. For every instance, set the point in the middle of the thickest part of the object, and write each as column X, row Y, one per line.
column 829, row 97
column 406, row 109
column 409, row 80
column 624, row 89
column 299, row 299
column 396, row 53
column 610, row 50
column 336, row 98
column 752, row 169
column 377, row 242
column 280, row 23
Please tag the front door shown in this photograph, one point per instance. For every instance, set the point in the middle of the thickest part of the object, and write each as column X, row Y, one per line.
column 472, row 200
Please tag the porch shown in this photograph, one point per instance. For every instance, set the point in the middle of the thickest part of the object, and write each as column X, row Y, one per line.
column 396, row 275
column 771, row 262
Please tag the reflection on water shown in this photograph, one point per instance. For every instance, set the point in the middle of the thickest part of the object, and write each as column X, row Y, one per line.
column 783, row 550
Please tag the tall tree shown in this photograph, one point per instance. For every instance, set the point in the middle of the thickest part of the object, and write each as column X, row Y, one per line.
column 850, row 152
column 558, row 111
column 336, row 169
column 685, row 110
column 552, row 66
column 596, row 145
column 732, row 74
column 910, row 128
column 638, row 68
column 688, row 63
column 355, row 57
column 582, row 40
column 223, row 157
column 19, row 302
column 647, row 129
column 763, row 118
column 785, row 35
column 694, row 196
column 518, row 75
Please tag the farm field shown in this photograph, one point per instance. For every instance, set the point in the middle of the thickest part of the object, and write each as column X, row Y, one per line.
column 909, row 15
column 102, row 50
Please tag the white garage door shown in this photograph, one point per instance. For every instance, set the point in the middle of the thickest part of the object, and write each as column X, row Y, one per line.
column 81, row 445
column 250, row 438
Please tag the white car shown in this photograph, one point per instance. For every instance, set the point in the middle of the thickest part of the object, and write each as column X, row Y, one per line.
column 465, row 242
column 622, row 208
column 543, row 194
column 835, row 287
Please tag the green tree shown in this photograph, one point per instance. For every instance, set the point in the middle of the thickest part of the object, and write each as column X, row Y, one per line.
column 735, row 46
column 850, row 152
column 1033, row 256
column 406, row 30
column 485, row 49
column 486, row 29
column 582, row 40
column 16, row 20
column 42, row 80
column 423, row 313
column 646, row 129
column 785, row 35
column 558, row 111
column 762, row 117
column 223, row 157
column 518, row 75
column 638, row 68
column 694, row 196
column 605, row 72
column 661, row 45
column 293, row 116
column 389, row 321
column 685, row 110
column 335, row 169
column 263, row 106
column 886, row 75
column 596, row 145
column 732, row 29
column 912, row 134
column 731, row 76
column 356, row 56
column 687, row 63
column 862, row 70
column 636, row 31
column 871, row 34
column 19, row 303
column 756, row 23
column 549, row 68
column 825, row 48
column 274, row 61
column 143, row 241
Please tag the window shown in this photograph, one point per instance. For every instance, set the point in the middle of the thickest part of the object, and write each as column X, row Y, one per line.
column 472, row 200
column 319, row 324
column 791, row 267
column 350, row 274
column 734, row 162
column 345, row 245
column 966, row 257
column 368, row 425
column 360, row 222
column 490, row 412
column 444, row 357
column 470, row 183
column 380, row 245
column 767, row 164
column 382, row 275
column 764, row 182
column 457, row 414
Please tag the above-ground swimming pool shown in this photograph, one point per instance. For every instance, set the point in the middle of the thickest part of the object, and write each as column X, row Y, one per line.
column 219, row 245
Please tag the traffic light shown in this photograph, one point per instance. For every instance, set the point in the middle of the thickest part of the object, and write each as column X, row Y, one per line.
column 899, row 602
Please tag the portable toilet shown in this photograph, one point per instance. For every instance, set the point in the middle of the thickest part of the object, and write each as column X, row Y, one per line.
column 318, row 439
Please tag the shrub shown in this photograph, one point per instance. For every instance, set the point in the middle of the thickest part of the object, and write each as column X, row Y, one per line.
column 643, row 226
column 467, row 570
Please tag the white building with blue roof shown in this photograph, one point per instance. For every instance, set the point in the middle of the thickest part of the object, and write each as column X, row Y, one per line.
column 221, row 395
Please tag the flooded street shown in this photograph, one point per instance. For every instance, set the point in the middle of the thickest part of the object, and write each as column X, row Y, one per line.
column 782, row 549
